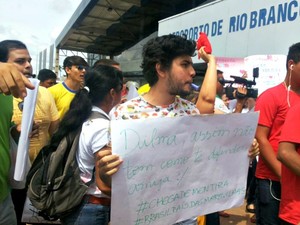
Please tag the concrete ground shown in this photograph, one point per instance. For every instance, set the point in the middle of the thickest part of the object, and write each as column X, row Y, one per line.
column 238, row 216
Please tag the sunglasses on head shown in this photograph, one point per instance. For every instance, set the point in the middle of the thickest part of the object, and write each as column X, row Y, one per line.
column 81, row 67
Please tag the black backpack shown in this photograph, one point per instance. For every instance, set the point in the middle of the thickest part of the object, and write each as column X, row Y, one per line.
column 54, row 184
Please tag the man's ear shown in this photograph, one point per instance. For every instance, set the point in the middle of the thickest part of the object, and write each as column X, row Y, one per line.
column 160, row 71
column 112, row 92
column 291, row 64
column 68, row 70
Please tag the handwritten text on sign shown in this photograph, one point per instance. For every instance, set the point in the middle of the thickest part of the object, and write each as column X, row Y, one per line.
column 177, row 168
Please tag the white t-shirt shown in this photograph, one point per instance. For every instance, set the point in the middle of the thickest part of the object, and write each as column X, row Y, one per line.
column 139, row 108
column 94, row 136
column 220, row 105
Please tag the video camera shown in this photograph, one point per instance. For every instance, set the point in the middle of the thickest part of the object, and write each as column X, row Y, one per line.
column 251, row 92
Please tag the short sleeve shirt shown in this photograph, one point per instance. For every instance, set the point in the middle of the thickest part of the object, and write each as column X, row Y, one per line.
column 94, row 136
column 290, row 182
column 220, row 105
column 6, row 103
column 139, row 108
column 273, row 107
column 63, row 97
column 45, row 113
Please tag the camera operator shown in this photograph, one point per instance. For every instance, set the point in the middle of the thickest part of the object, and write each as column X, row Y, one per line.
column 240, row 97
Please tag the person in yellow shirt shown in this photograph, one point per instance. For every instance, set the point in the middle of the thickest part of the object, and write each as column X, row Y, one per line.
column 144, row 89
column 46, row 115
column 45, row 112
column 63, row 93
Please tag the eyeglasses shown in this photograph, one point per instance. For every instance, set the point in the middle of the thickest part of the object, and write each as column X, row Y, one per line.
column 81, row 67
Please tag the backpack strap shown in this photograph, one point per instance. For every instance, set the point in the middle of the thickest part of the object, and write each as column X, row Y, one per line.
column 72, row 140
column 96, row 114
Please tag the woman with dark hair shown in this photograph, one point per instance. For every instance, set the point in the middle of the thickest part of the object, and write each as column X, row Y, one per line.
column 101, row 93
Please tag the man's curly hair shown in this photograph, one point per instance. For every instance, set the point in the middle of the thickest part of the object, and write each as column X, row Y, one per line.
column 164, row 50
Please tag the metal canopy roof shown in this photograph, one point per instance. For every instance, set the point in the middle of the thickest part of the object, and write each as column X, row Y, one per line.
column 108, row 27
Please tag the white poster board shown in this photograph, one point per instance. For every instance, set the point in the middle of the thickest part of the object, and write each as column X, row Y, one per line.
column 231, row 67
column 272, row 69
column 177, row 168
column 22, row 160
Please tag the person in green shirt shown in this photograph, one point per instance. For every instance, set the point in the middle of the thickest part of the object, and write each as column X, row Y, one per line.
column 12, row 82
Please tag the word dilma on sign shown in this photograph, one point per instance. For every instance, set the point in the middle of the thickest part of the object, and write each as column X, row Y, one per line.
column 133, row 140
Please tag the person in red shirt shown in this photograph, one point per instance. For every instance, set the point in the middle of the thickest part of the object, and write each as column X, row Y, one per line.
column 289, row 155
column 273, row 105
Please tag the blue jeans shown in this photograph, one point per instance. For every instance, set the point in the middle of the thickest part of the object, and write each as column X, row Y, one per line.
column 7, row 212
column 88, row 214
column 267, row 202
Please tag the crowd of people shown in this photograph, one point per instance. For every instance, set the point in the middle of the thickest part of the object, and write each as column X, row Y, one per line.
column 272, row 184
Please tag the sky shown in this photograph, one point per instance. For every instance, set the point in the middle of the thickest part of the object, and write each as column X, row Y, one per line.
column 37, row 23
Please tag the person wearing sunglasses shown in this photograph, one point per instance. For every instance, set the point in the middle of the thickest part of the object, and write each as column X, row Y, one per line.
column 63, row 93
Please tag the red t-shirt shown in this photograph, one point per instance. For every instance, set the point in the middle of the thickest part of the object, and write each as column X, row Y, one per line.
column 290, row 182
column 273, row 107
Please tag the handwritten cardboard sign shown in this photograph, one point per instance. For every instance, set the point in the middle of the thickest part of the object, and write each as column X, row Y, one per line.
column 178, row 168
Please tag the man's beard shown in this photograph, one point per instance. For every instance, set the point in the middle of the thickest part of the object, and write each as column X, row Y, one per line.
column 183, row 93
column 176, row 90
